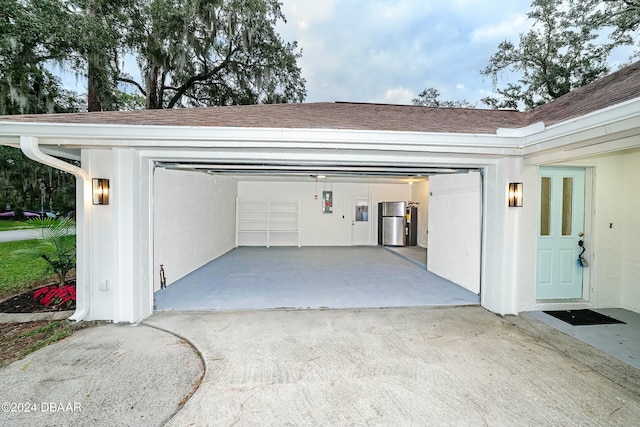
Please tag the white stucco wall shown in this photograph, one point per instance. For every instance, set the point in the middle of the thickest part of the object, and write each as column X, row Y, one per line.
column 455, row 228
column 420, row 194
column 630, row 225
column 317, row 228
column 103, row 239
column 118, row 237
column 607, row 252
column 194, row 221
column 528, row 234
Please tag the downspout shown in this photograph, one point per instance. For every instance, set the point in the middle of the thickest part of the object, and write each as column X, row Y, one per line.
column 29, row 146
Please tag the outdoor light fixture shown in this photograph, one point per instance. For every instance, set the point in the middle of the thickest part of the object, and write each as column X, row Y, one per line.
column 100, row 191
column 515, row 195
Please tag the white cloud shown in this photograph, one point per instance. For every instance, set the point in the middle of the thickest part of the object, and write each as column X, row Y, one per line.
column 389, row 50
column 398, row 95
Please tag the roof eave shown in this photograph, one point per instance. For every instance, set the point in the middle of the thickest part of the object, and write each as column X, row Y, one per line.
column 591, row 134
column 112, row 136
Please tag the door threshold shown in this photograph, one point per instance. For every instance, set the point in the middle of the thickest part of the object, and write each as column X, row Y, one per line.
column 562, row 304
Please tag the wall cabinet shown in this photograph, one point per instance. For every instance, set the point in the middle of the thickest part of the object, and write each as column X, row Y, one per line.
column 267, row 222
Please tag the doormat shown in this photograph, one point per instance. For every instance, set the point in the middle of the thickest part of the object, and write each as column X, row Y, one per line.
column 583, row 317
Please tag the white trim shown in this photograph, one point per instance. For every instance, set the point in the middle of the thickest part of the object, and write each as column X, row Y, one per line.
column 151, row 135
column 532, row 129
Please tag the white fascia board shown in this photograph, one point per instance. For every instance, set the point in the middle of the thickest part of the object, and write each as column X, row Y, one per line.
column 109, row 136
column 550, row 157
column 532, row 129
column 602, row 123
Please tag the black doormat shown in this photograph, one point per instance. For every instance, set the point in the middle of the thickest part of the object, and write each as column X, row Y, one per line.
column 583, row 317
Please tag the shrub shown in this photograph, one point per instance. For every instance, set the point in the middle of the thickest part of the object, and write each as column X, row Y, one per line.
column 57, row 248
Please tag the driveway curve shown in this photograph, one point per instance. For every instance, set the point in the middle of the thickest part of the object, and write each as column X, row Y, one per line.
column 109, row 375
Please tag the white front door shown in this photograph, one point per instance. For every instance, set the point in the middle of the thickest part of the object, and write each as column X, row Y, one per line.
column 560, row 231
column 360, row 221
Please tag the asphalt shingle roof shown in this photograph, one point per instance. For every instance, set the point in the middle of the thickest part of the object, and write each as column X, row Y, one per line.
column 618, row 87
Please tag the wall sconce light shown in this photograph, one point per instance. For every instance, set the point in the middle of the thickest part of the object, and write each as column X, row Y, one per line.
column 515, row 195
column 100, row 191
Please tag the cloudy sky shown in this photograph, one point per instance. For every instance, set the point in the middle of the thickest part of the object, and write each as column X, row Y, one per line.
column 389, row 50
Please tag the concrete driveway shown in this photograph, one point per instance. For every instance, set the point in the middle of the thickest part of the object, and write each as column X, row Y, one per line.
column 21, row 234
column 24, row 234
column 397, row 366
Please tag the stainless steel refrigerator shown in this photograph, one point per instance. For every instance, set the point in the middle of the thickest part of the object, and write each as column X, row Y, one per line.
column 392, row 222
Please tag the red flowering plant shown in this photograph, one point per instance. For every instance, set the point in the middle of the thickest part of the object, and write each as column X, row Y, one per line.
column 56, row 296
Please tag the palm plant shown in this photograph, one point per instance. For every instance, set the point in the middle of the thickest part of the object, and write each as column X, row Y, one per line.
column 57, row 247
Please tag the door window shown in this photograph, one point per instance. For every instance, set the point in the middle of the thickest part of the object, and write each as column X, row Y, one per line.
column 545, row 206
column 362, row 210
column 567, row 205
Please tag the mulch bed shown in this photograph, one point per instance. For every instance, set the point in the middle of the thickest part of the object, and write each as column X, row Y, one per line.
column 25, row 303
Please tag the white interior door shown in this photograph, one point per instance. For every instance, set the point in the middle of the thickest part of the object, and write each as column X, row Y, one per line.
column 360, row 221
column 560, row 229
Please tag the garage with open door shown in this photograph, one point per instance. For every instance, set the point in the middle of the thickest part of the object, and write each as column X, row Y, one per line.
column 174, row 178
column 262, row 237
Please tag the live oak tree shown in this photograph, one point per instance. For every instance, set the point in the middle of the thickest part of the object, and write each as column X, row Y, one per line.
column 100, row 49
column 563, row 50
column 189, row 53
column 203, row 53
column 35, row 36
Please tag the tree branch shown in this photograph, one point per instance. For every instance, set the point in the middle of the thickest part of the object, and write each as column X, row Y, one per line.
column 201, row 77
column 133, row 82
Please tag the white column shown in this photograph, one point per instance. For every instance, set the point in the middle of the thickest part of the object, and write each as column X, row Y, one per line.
column 132, row 223
column 500, row 238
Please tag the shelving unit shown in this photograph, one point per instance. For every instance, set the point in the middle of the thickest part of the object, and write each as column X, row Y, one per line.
column 267, row 222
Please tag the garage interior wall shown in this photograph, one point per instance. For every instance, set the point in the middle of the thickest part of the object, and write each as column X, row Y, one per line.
column 615, row 268
column 420, row 194
column 322, row 229
column 194, row 221
column 454, row 239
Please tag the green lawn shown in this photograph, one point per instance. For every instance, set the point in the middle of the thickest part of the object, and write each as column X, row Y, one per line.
column 7, row 224
column 21, row 273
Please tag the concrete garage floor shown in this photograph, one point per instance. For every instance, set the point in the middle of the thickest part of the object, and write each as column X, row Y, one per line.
column 398, row 366
column 310, row 277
